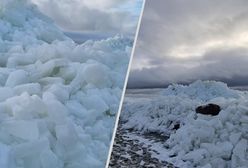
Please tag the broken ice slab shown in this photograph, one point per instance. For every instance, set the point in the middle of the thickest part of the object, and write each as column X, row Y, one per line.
column 16, row 78
column 27, row 130
column 4, row 155
column 30, row 88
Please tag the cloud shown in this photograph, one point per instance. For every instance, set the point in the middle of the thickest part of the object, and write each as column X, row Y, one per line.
column 182, row 41
column 105, row 16
column 228, row 65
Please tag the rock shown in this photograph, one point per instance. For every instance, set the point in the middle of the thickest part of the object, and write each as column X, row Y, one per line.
column 176, row 126
column 209, row 109
column 135, row 153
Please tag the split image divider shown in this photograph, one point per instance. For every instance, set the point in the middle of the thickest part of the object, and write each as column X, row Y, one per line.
column 125, row 85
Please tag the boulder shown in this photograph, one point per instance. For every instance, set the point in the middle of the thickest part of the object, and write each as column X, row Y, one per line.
column 209, row 109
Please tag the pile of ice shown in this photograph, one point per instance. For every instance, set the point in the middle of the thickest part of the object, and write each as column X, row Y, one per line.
column 201, row 141
column 58, row 99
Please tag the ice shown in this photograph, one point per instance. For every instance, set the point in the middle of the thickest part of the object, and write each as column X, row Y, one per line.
column 4, row 155
column 60, row 91
column 77, row 109
column 90, row 101
column 234, row 137
column 201, row 140
column 221, row 149
column 30, row 88
column 241, row 149
column 26, row 106
column 196, row 156
column 5, row 93
column 66, row 135
column 97, row 74
column 58, row 99
column 56, row 111
column 19, row 129
column 207, row 166
column 16, row 78
column 49, row 159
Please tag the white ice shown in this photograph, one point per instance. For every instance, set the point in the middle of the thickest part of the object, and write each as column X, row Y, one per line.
column 201, row 141
column 58, row 99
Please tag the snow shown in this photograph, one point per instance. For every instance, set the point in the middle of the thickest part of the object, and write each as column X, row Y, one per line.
column 58, row 99
column 201, row 140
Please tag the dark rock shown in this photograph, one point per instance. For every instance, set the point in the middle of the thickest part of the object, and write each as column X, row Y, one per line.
column 176, row 126
column 209, row 109
column 135, row 153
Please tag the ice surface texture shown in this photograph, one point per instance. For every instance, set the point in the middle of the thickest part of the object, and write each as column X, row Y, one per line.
column 202, row 140
column 58, row 99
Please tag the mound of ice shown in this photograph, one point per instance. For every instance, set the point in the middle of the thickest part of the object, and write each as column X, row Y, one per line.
column 58, row 99
column 201, row 140
column 202, row 90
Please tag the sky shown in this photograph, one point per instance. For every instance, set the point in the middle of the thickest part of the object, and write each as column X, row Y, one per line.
column 182, row 41
column 96, row 18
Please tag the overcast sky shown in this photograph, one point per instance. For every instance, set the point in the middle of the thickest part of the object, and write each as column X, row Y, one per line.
column 93, row 17
column 181, row 41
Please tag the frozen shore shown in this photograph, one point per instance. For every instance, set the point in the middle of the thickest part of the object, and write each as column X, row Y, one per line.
column 201, row 140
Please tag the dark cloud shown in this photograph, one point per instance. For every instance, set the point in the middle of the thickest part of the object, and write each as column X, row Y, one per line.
column 182, row 41
column 227, row 65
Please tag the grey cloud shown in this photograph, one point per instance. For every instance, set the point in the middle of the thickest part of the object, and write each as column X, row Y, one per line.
column 209, row 32
column 226, row 65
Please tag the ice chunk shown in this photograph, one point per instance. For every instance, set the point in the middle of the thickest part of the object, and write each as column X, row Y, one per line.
column 16, row 78
column 51, row 80
column 91, row 101
column 30, row 88
column 240, row 149
column 5, row 93
column 49, row 160
column 96, row 74
column 56, row 111
column 222, row 149
column 197, row 155
column 16, row 18
column 61, row 92
column 207, row 166
column 69, row 73
column 27, row 130
column 26, row 106
column 29, row 149
column 4, row 155
column 218, row 162
column 66, row 135
column 234, row 137
column 77, row 109
column 90, row 160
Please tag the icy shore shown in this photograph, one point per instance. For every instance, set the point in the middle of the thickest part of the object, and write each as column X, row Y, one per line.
column 58, row 99
column 201, row 141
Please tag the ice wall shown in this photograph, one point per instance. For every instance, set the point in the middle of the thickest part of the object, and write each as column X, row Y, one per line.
column 57, row 99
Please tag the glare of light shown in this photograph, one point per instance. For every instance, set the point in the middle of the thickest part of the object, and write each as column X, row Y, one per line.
column 239, row 40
